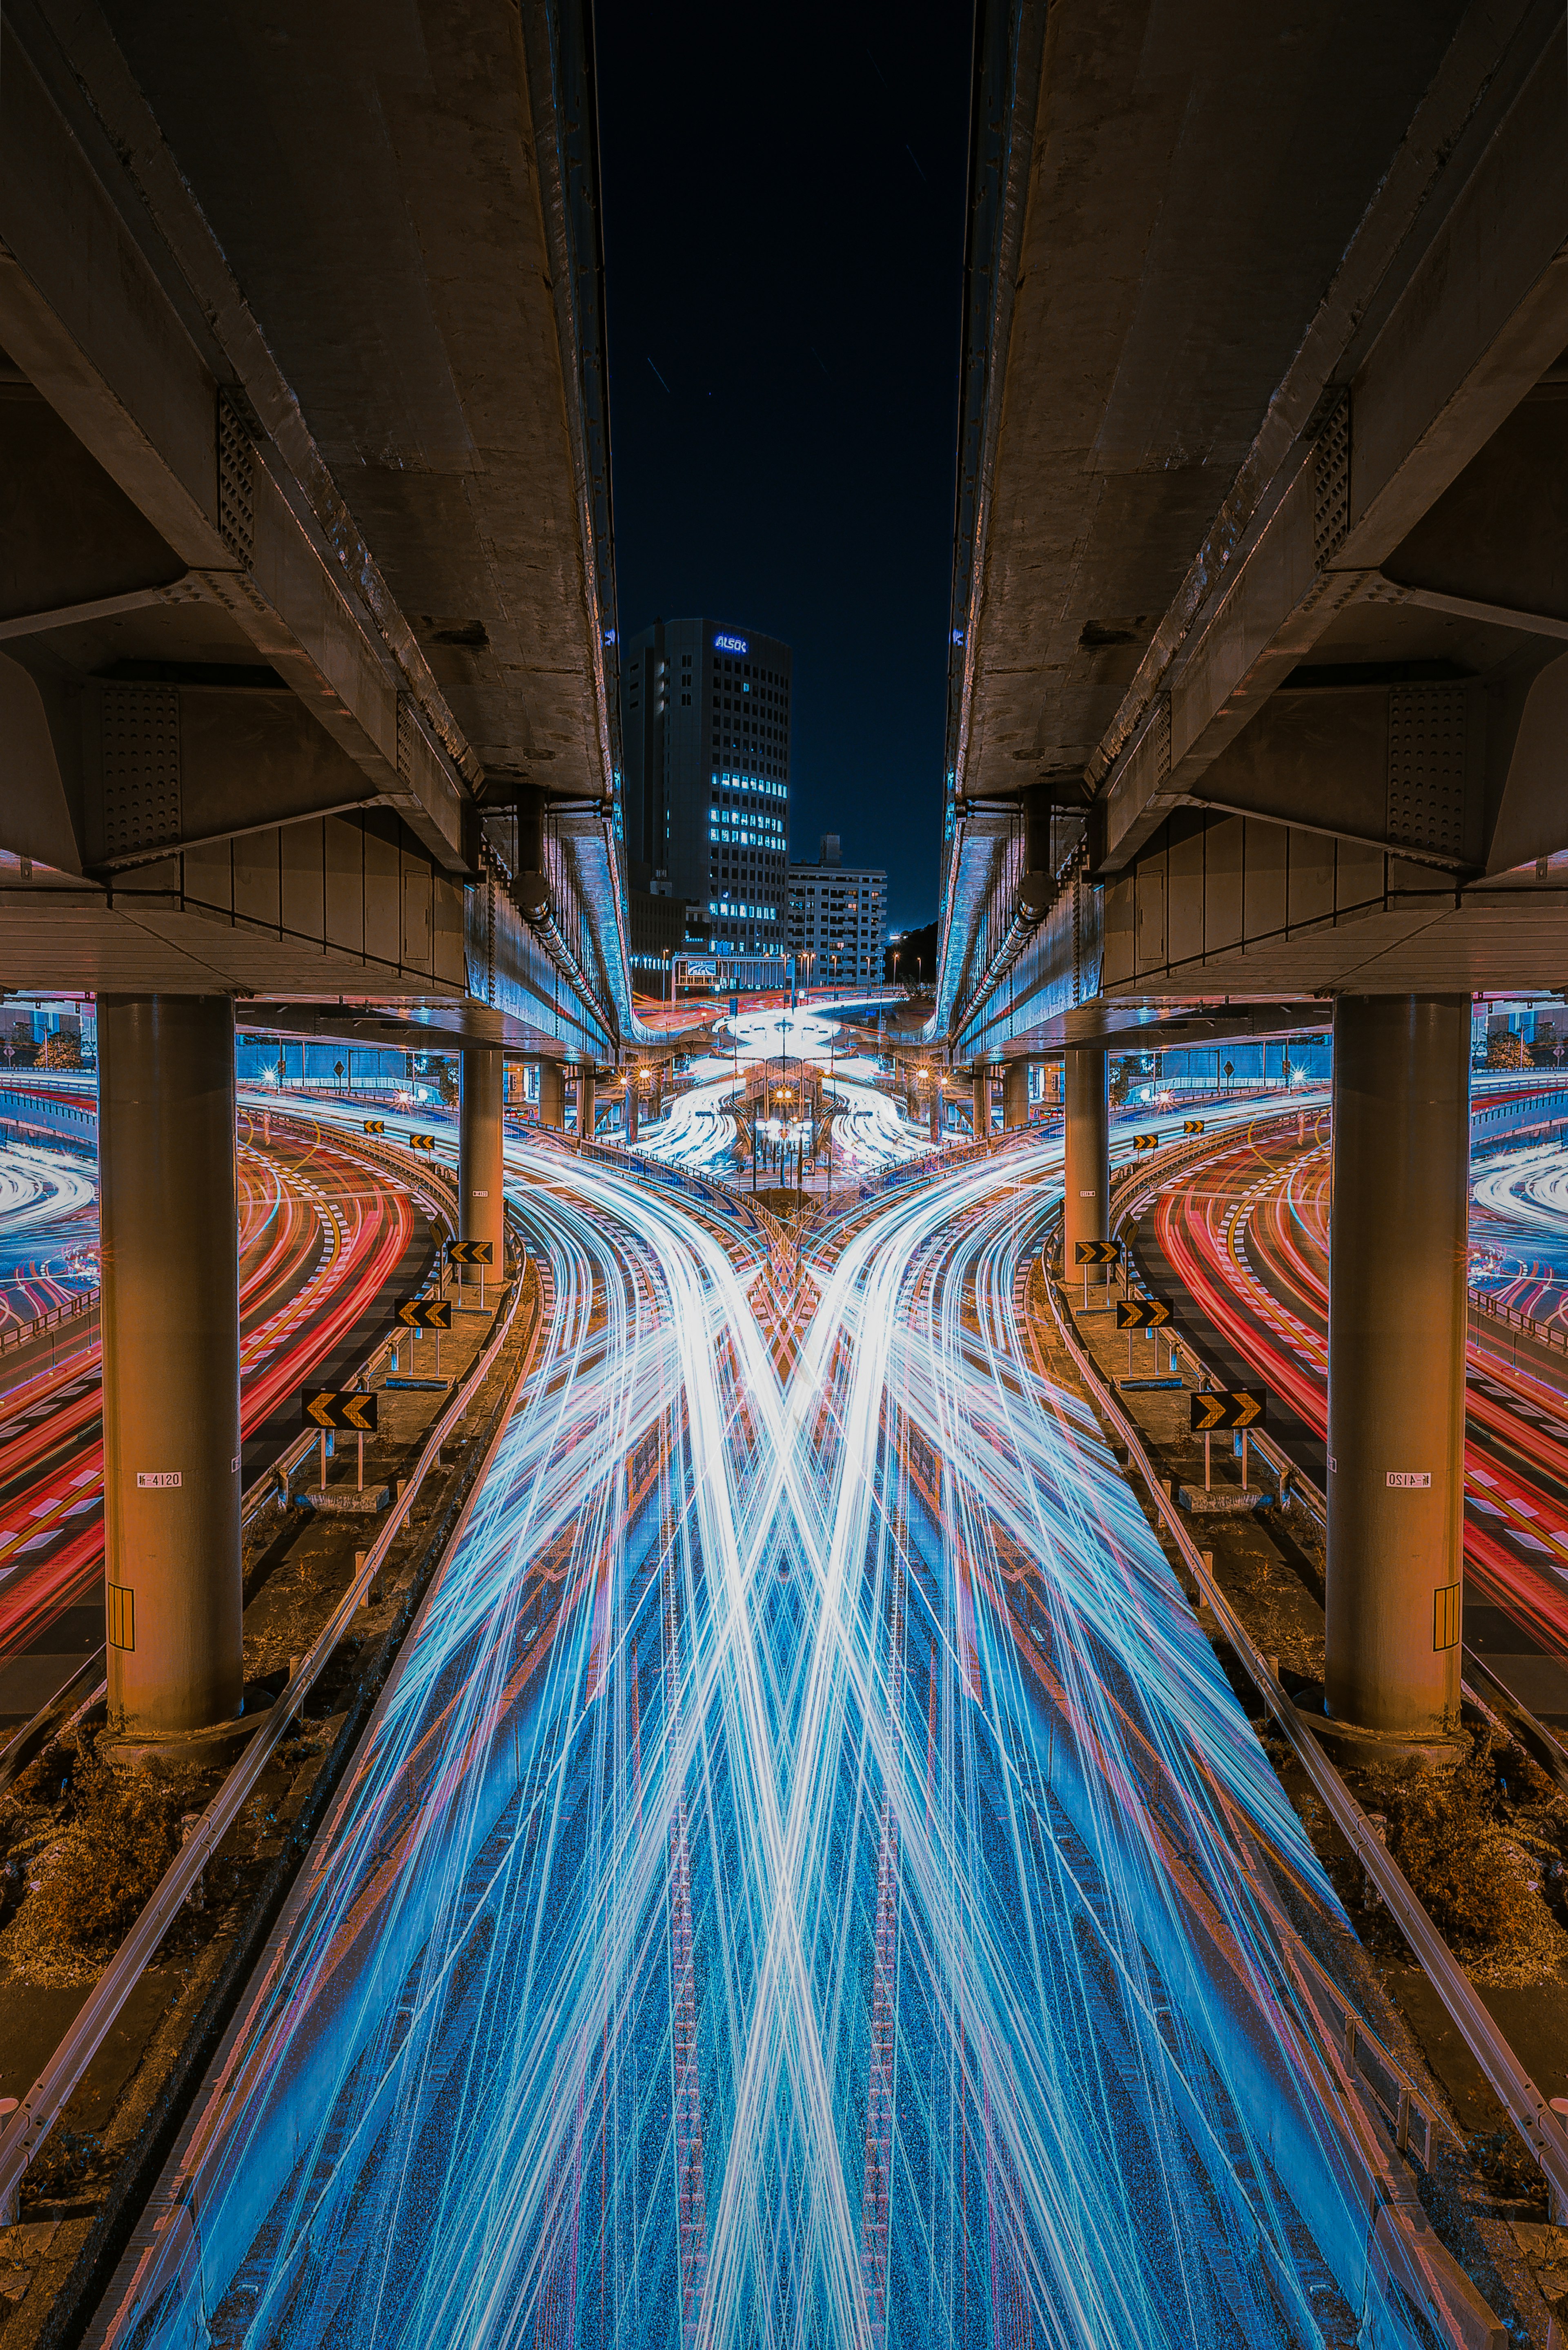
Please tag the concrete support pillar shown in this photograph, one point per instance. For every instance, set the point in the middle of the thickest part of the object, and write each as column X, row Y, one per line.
column 1396, row 1332
column 552, row 1094
column 170, row 1367
column 631, row 1102
column 585, row 1105
column 936, row 1113
column 1015, row 1095
column 981, row 1111
column 481, row 1208
column 1086, row 1180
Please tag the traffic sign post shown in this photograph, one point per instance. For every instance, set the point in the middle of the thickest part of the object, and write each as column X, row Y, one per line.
column 1088, row 1253
column 479, row 1253
column 326, row 1408
column 426, row 1314
column 1150, row 1314
column 1227, row 1408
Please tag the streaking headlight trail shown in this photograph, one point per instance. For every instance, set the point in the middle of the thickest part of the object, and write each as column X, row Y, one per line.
column 809, row 1882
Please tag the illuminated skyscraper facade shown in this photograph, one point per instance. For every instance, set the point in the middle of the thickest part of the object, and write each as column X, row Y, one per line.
column 706, row 731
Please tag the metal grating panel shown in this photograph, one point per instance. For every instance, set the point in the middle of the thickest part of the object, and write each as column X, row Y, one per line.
column 1426, row 767
column 236, row 494
column 1162, row 738
column 140, row 768
column 1331, row 486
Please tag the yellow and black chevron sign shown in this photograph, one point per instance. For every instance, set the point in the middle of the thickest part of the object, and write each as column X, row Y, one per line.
column 1192, row 1126
column 1096, row 1251
column 422, row 1142
column 375, row 1126
column 1142, row 1313
column 471, row 1251
column 1229, row 1408
column 426, row 1313
column 1146, row 1143
column 335, row 1408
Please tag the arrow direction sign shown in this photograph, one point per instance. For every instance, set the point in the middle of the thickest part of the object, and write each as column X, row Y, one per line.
column 1192, row 1126
column 422, row 1142
column 1146, row 1143
column 333, row 1408
column 1096, row 1251
column 471, row 1251
column 1229, row 1408
column 1142, row 1313
column 375, row 1126
column 426, row 1313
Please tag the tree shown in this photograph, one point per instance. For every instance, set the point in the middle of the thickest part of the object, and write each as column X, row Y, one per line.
column 1504, row 1050
column 62, row 1050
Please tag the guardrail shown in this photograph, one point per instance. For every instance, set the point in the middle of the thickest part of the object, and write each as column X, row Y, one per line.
column 1543, row 2135
column 14, row 1334
column 1545, row 1334
column 274, row 1483
column 24, row 2131
column 87, row 1687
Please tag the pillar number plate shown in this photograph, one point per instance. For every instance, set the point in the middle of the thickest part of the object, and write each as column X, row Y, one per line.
column 1409, row 1479
column 162, row 1479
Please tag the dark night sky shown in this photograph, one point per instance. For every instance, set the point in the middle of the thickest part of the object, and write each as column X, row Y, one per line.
column 784, row 217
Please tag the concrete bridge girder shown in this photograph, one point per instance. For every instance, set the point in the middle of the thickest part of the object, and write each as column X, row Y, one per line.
column 252, row 678
column 1320, row 729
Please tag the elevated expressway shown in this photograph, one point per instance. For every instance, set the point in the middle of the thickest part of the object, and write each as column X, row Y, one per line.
column 307, row 640
column 1258, row 659
column 1259, row 672
column 306, row 610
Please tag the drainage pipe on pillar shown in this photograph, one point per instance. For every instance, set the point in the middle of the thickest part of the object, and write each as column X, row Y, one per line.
column 1086, row 1182
column 169, row 1227
column 1396, row 1334
column 481, row 1201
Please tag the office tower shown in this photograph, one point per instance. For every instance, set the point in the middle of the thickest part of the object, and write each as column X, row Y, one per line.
column 705, row 728
column 838, row 919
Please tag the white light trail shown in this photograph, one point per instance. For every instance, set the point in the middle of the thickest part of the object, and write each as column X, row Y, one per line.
column 880, row 1656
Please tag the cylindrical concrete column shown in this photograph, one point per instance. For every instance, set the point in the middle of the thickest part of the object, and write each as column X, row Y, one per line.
column 1397, row 1318
column 936, row 1113
column 481, row 1201
column 981, row 1113
column 631, row 1101
column 1086, row 1180
column 585, row 1105
column 1015, row 1095
column 552, row 1094
column 169, row 1226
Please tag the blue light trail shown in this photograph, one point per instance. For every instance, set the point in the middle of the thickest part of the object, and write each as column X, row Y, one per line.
column 809, row 1882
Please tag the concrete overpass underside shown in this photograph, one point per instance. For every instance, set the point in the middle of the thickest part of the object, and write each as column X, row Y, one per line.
column 307, row 683
column 1259, row 687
